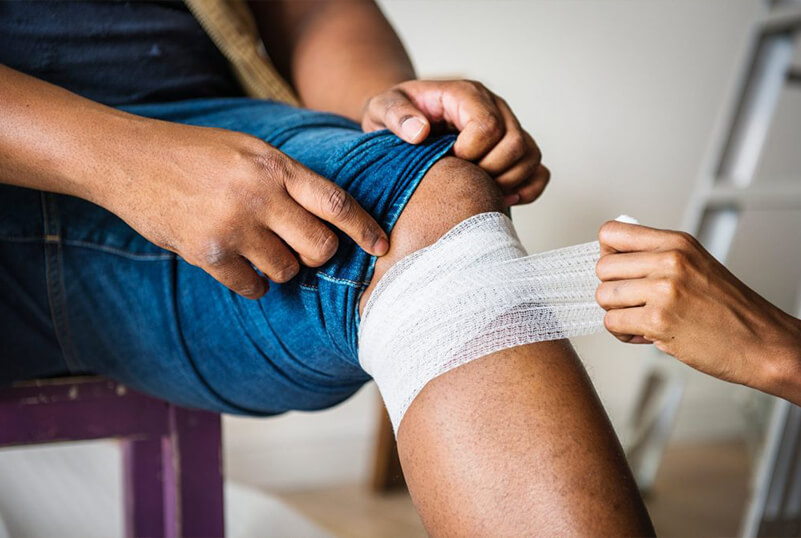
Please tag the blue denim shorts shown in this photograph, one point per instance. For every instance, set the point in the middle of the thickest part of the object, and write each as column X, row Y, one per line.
column 80, row 291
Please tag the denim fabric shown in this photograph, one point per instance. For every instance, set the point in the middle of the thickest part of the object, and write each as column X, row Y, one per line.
column 115, row 52
column 80, row 291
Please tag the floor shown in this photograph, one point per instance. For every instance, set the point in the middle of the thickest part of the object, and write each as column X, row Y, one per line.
column 700, row 491
column 71, row 490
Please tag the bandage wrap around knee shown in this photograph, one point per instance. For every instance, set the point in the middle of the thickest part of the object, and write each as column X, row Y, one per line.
column 472, row 293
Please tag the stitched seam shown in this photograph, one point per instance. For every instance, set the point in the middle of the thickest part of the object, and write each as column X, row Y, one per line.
column 353, row 283
column 309, row 287
column 119, row 252
column 52, row 279
column 93, row 246
column 71, row 357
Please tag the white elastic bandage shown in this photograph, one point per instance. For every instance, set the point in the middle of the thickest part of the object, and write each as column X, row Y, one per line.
column 472, row 293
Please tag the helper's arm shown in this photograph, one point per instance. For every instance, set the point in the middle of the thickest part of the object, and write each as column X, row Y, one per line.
column 662, row 286
column 218, row 198
column 343, row 56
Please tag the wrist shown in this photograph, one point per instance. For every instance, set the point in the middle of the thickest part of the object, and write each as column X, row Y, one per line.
column 794, row 359
column 118, row 152
column 785, row 361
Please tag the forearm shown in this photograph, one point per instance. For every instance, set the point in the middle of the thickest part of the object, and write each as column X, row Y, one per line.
column 56, row 141
column 338, row 53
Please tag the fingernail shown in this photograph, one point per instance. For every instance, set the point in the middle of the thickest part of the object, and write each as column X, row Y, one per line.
column 381, row 246
column 511, row 199
column 412, row 127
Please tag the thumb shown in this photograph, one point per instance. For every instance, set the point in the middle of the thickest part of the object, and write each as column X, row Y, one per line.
column 394, row 111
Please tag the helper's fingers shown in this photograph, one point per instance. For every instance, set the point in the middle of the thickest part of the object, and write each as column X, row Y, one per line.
column 332, row 204
column 617, row 236
column 394, row 111
column 623, row 293
column 629, row 265
column 314, row 242
column 531, row 189
column 272, row 257
column 515, row 146
column 627, row 324
column 237, row 275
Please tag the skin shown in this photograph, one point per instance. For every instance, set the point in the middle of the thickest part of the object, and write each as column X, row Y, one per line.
column 515, row 443
column 663, row 287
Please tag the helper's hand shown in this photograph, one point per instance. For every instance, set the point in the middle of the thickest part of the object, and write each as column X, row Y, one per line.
column 489, row 133
column 663, row 287
column 223, row 200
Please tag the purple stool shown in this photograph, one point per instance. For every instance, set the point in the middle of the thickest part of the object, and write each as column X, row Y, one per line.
column 172, row 456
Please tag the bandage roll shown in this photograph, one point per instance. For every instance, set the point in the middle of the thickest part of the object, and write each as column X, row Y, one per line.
column 472, row 293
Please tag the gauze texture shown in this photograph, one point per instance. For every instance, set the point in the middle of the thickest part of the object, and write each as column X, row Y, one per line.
column 472, row 293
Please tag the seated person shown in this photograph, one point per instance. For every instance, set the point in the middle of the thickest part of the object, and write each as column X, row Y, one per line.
column 160, row 228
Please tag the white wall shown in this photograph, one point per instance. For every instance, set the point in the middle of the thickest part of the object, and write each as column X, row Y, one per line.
column 622, row 96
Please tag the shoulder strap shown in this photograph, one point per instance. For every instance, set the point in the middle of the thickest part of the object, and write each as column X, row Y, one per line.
column 230, row 25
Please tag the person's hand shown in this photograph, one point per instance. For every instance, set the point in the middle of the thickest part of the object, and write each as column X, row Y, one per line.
column 224, row 200
column 662, row 287
column 489, row 133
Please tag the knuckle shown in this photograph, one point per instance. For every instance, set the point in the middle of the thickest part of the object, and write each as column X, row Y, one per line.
column 476, row 86
column 602, row 294
column 658, row 321
column 213, row 253
column 546, row 174
column 668, row 289
column 518, row 147
column 683, row 240
column 274, row 166
column 602, row 267
column 325, row 245
column 469, row 85
column 605, row 230
column 675, row 261
column 285, row 272
column 491, row 126
column 537, row 152
column 397, row 107
column 337, row 203
column 251, row 290
column 610, row 321
column 531, row 170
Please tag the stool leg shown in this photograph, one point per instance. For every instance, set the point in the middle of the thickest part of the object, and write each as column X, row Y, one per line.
column 142, row 487
column 195, row 481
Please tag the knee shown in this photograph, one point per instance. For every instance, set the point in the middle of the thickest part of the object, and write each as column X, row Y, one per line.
column 452, row 191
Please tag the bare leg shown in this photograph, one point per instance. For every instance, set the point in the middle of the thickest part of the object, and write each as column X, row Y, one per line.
column 515, row 443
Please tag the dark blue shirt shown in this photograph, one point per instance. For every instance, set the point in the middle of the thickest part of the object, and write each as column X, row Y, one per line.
column 115, row 52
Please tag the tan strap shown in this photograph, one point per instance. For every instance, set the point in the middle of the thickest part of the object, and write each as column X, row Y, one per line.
column 230, row 25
